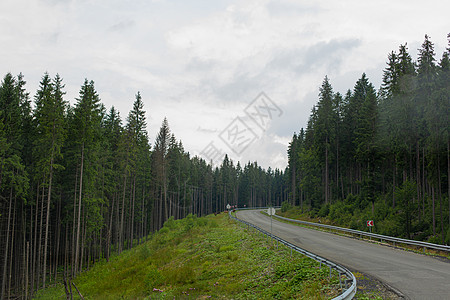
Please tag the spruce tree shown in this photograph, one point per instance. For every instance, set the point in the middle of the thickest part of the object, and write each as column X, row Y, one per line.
column 49, row 118
column 85, row 130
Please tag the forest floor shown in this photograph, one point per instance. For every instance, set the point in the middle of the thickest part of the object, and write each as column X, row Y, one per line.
column 202, row 258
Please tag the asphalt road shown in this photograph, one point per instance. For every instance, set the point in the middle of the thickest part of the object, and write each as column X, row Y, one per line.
column 416, row 276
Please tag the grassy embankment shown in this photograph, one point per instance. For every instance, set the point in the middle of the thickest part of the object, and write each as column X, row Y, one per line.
column 202, row 258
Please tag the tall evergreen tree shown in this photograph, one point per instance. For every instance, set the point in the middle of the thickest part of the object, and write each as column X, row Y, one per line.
column 85, row 129
column 159, row 169
column 49, row 118
column 325, row 132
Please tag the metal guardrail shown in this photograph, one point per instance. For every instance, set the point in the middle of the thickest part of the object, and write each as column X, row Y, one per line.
column 372, row 235
column 350, row 290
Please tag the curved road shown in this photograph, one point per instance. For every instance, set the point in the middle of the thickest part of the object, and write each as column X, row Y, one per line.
column 416, row 276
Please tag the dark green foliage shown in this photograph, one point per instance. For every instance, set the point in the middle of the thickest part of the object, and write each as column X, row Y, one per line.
column 380, row 156
column 78, row 186
column 285, row 206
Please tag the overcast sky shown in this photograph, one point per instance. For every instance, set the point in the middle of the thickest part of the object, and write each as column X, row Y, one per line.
column 203, row 64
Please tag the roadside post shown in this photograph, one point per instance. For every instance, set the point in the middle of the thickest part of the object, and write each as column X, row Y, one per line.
column 370, row 225
column 271, row 212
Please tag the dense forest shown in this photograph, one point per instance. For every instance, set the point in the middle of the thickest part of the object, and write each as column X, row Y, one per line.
column 380, row 155
column 77, row 184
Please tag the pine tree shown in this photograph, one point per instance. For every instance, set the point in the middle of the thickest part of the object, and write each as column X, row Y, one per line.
column 365, row 134
column 292, row 166
column 85, row 130
column 390, row 84
column 159, row 169
column 14, row 180
column 49, row 118
column 426, row 68
column 138, row 143
column 325, row 132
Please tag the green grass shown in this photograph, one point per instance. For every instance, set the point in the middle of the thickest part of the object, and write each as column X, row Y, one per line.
column 202, row 258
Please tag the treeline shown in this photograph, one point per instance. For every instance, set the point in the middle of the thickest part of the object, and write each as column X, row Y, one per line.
column 381, row 155
column 78, row 185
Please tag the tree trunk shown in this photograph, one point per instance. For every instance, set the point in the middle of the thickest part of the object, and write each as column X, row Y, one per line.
column 26, row 270
column 448, row 179
column 12, row 248
column 39, row 270
column 440, row 200
column 122, row 214
column 132, row 212
column 326, row 170
column 33, row 241
column 83, row 240
column 47, row 218
column 74, row 223
column 293, row 171
column 418, row 176
column 5, row 262
column 433, row 212
column 58, row 238
column 423, row 182
column 394, row 174
column 109, row 232
column 337, row 168
column 77, row 244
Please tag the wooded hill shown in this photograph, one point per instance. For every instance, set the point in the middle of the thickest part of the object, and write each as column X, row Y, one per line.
column 381, row 155
column 77, row 184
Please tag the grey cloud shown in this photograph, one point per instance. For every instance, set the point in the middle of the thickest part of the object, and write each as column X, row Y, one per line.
column 206, row 130
column 243, row 88
column 53, row 38
column 285, row 8
column 56, row 2
column 264, row 150
column 302, row 61
column 199, row 65
column 295, row 115
column 121, row 25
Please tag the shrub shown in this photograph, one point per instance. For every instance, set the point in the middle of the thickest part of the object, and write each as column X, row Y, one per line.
column 170, row 223
column 181, row 275
column 324, row 211
column 153, row 278
column 285, row 206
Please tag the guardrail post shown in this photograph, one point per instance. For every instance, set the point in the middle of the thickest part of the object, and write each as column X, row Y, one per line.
column 340, row 283
column 330, row 272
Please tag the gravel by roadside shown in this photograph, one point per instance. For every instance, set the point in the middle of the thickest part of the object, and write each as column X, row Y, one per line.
column 371, row 288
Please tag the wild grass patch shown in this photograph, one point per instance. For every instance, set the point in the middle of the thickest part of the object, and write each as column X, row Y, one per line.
column 202, row 258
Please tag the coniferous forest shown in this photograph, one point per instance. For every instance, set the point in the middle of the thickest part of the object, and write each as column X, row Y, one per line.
column 79, row 184
column 380, row 155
